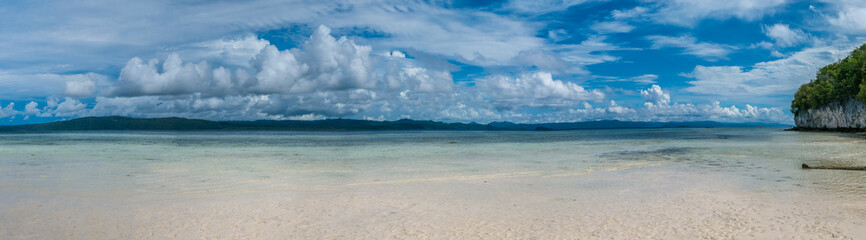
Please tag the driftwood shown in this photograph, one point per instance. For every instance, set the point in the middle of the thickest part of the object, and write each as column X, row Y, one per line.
column 834, row 167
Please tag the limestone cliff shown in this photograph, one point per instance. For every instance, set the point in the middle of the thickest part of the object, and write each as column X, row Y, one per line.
column 847, row 113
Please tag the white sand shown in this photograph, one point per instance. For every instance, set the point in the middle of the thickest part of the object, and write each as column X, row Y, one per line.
column 500, row 208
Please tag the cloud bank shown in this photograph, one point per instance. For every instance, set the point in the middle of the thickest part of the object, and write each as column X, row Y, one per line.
column 442, row 60
column 335, row 77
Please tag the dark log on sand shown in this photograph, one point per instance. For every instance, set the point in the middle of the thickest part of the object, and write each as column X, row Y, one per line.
column 834, row 167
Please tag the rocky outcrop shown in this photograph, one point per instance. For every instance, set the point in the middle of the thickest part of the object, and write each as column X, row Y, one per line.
column 845, row 114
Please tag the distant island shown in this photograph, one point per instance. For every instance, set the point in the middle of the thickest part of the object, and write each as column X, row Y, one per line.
column 183, row 124
column 836, row 98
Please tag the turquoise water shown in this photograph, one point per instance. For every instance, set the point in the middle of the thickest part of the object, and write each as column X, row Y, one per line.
column 148, row 165
column 730, row 183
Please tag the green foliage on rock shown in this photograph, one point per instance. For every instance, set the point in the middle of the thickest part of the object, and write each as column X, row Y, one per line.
column 837, row 81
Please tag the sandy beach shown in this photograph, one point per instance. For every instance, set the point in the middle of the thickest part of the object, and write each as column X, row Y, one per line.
column 661, row 194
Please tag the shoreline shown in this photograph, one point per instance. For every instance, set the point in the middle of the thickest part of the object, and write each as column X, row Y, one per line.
column 842, row 130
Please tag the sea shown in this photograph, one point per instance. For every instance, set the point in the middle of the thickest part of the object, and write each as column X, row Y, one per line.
column 666, row 183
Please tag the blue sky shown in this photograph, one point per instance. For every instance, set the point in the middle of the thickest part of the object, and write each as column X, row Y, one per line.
column 454, row 61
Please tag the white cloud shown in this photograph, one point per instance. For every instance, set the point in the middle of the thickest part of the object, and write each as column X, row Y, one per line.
column 593, row 50
column 537, row 89
column 23, row 85
column 32, row 108
column 228, row 51
column 323, row 63
column 547, row 61
column 8, row 111
column 422, row 80
column 772, row 78
column 611, row 27
column 762, row 44
column 66, row 107
column 569, row 58
column 847, row 16
column 715, row 112
column 80, row 88
column 82, row 37
column 325, row 76
column 654, row 96
column 784, row 36
column 211, row 75
column 395, row 54
column 471, row 36
column 542, row 6
column 464, row 104
column 557, row 35
column 689, row 12
column 307, row 117
column 658, row 107
column 691, row 46
column 173, row 77
column 628, row 14
column 642, row 79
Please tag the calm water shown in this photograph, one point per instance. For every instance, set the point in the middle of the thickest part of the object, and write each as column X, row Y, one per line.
column 729, row 183
column 146, row 165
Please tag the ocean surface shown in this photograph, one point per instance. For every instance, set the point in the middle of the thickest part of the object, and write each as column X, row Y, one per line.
column 622, row 183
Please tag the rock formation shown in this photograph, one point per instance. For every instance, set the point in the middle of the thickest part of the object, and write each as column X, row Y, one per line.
column 847, row 113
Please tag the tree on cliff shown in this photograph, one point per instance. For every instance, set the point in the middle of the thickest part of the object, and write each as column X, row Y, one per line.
column 834, row 82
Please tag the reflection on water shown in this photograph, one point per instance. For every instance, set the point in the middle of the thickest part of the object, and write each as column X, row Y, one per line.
column 141, row 165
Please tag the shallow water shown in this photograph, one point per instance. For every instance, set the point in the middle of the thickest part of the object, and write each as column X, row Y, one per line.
column 118, row 176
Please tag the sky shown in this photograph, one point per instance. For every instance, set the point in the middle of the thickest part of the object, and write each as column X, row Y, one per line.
column 453, row 61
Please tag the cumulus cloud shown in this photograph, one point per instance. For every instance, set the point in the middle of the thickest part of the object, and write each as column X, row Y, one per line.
column 214, row 67
column 537, row 89
column 80, row 88
column 324, row 76
column 691, row 46
column 322, row 63
column 32, row 108
column 654, row 96
column 715, row 112
column 421, row 80
column 784, row 36
column 230, row 51
column 57, row 107
column 465, row 103
column 173, row 77
column 8, row 111
column 658, row 107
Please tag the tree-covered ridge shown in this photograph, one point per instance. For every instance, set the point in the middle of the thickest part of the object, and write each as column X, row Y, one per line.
column 182, row 124
column 834, row 82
